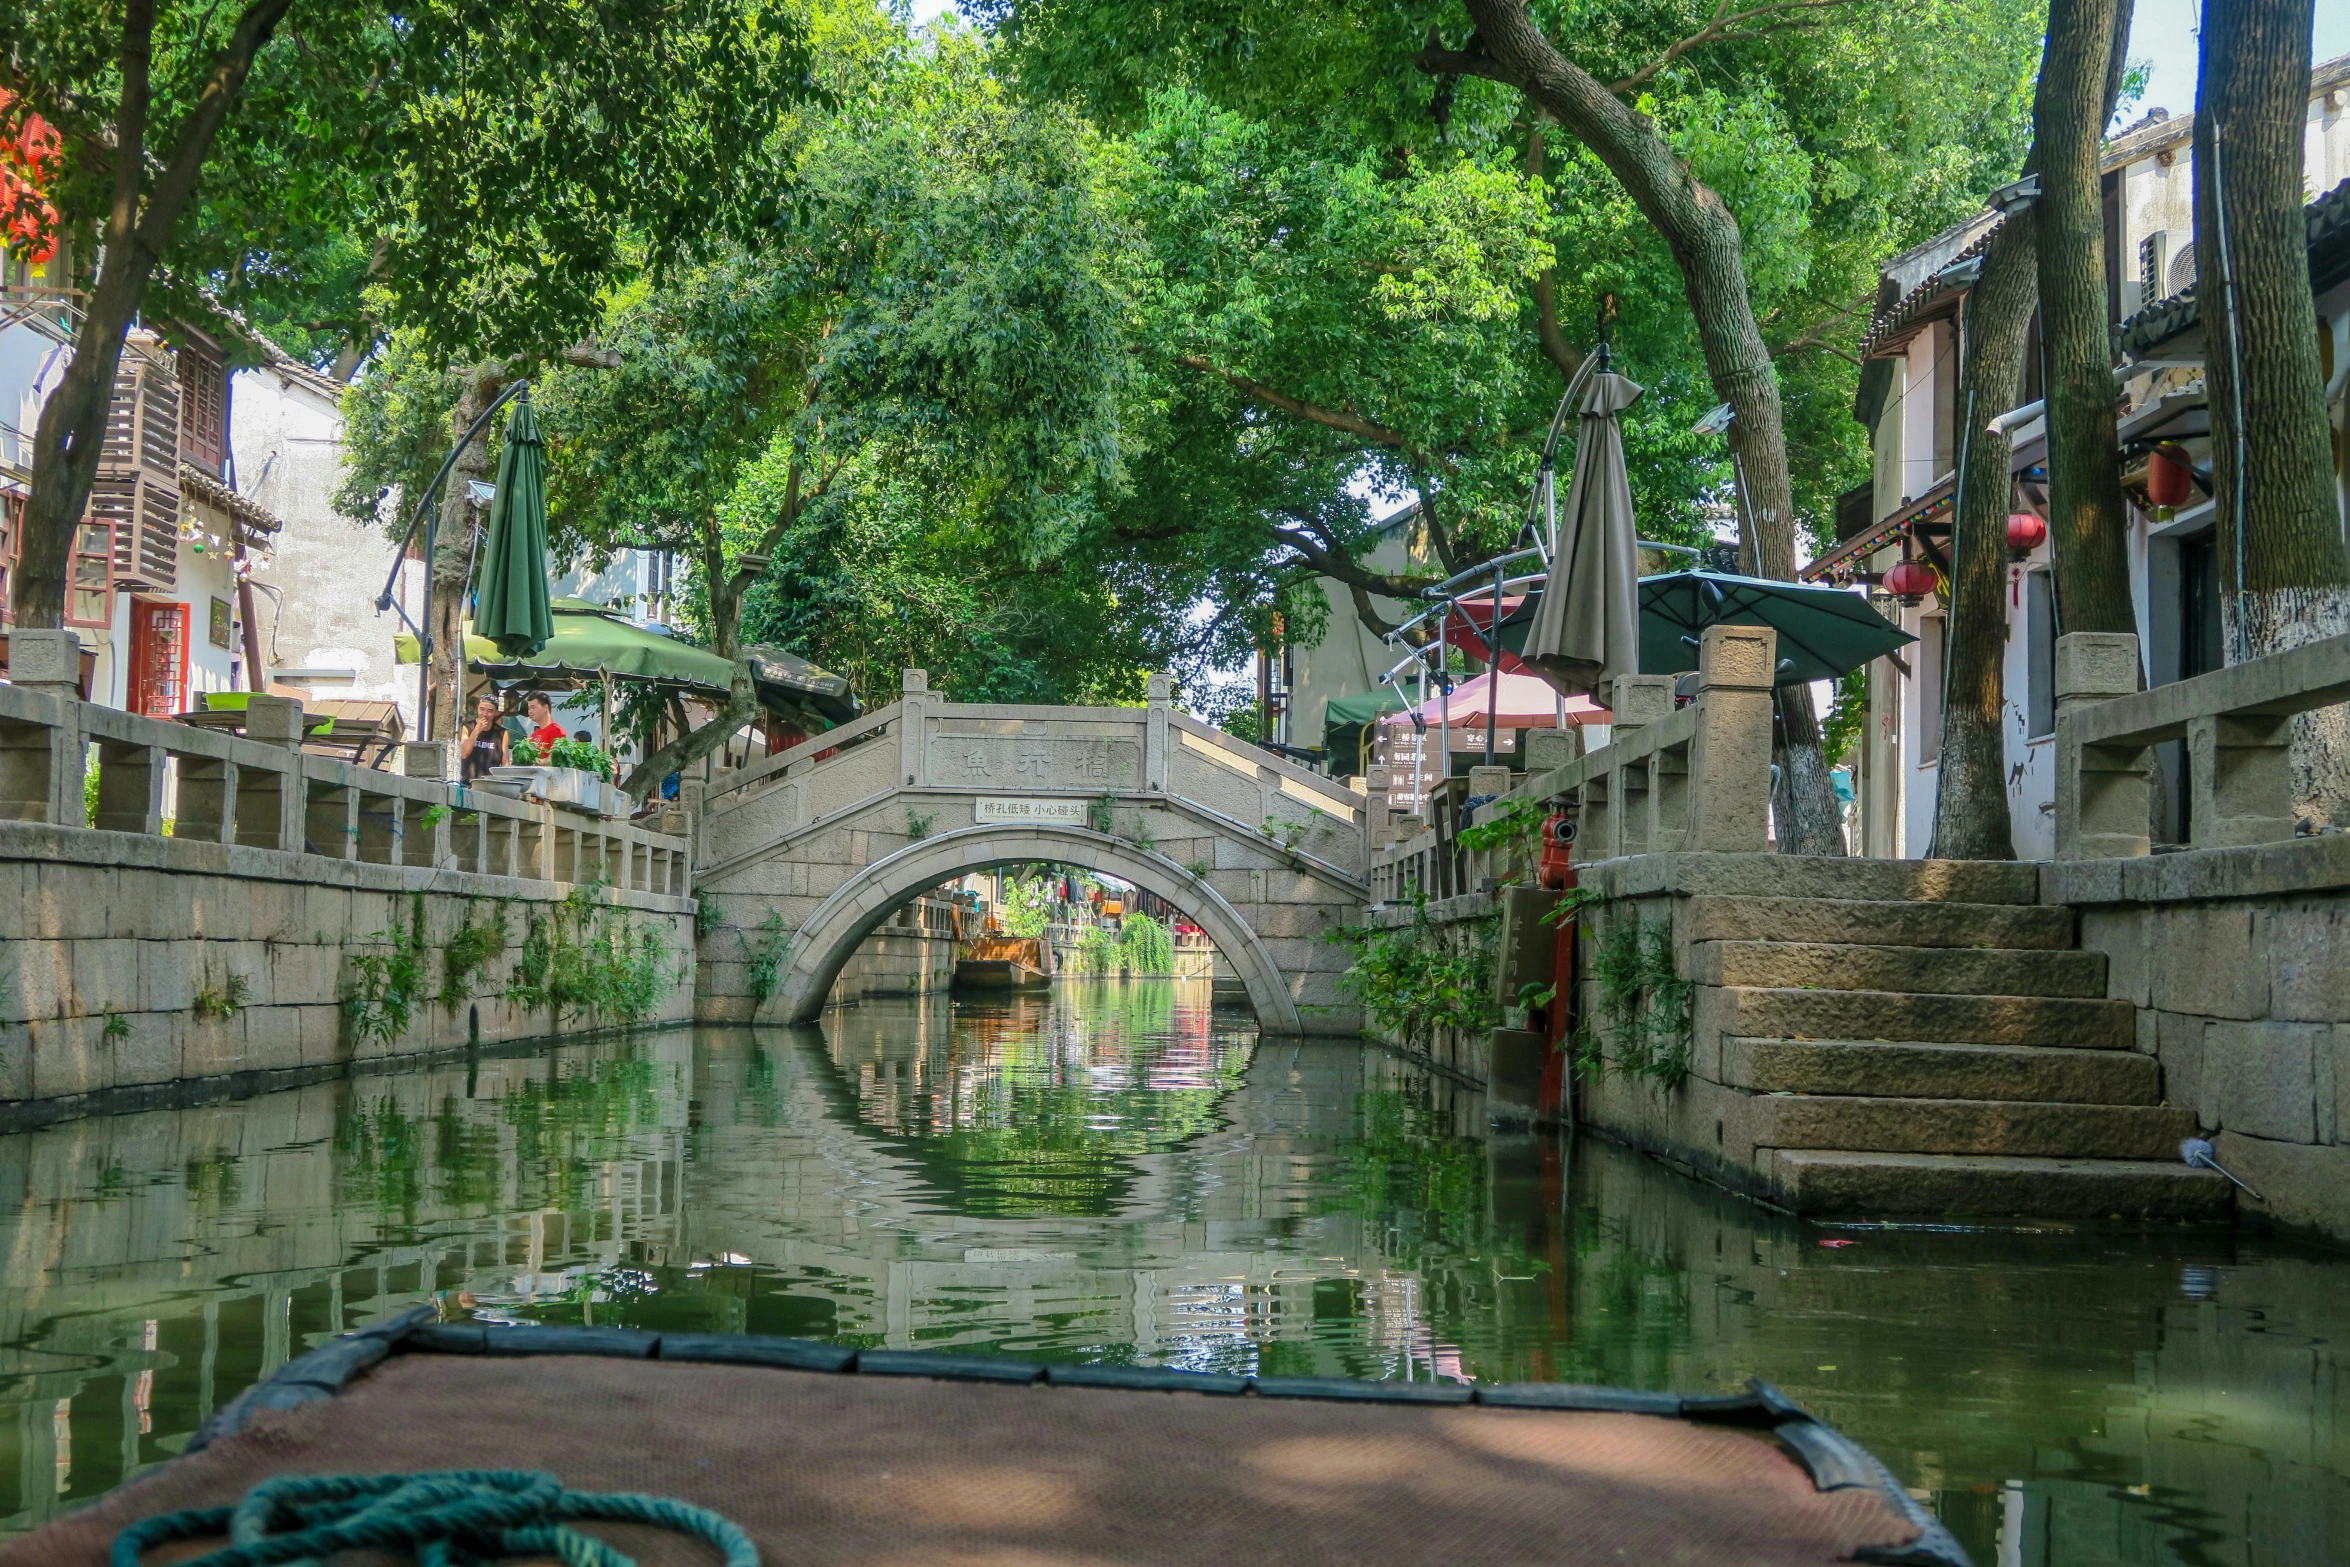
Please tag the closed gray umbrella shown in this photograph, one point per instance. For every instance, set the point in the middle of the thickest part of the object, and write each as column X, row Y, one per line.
column 1586, row 630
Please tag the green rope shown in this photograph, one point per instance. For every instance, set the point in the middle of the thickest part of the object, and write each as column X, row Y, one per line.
column 455, row 1518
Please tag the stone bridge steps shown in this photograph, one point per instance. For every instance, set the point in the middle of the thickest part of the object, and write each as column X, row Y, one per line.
column 1839, row 1182
column 1931, row 970
column 1943, row 1050
column 1918, row 1070
column 1878, row 922
column 1769, row 1012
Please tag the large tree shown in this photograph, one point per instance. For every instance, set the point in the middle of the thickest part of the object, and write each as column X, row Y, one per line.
column 2284, row 574
column 2080, row 82
column 1971, row 816
column 1804, row 149
column 506, row 163
column 934, row 327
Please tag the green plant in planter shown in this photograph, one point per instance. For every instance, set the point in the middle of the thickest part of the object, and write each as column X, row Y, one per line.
column 583, row 755
column 524, row 752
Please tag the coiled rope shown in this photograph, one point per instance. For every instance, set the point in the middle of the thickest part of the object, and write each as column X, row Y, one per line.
column 453, row 1518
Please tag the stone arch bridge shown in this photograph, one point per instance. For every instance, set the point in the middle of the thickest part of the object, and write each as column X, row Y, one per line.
column 837, row 833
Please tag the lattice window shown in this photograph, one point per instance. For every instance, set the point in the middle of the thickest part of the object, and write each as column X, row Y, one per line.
column 203, row 410
column 89, row 581
column 144, row 511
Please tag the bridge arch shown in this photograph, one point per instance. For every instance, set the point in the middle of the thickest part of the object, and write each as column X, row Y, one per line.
column 826, row 939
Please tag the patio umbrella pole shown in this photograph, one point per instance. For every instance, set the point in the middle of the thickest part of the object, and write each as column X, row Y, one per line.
column 1444, row 696
column 1493, row 667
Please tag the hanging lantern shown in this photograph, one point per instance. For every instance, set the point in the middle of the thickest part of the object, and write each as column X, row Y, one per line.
column 2169, row 481
column 1910, row 581
column 2025, row 533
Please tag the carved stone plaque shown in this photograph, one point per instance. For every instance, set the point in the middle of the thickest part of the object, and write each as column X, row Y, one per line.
column 1006, row 762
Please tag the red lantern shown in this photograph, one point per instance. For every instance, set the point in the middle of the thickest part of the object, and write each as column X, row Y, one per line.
column 2169, row 482
column 2025, row 533
column 1910, row 581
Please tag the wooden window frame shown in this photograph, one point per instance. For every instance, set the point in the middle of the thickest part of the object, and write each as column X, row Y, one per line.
column 104, row 556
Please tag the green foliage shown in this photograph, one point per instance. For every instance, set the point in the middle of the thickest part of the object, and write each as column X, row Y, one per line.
column 1421, row 978
column 90, row 793
column 218, row 1003
column 387, row 984
column 469, row 952
column 1097, row 951
column 524, row 751
column 1841, row 730
column 763, row 960
column 918, row 824
column 433, row 816
column 116, row 1029
column 1515, row 829
column 1101, row 814
column 1291, row 833
column 707, row 915
column 1028, row 909
column 584, row 755
column 1145, row 946
column 593, row 960
column 1642, row 1024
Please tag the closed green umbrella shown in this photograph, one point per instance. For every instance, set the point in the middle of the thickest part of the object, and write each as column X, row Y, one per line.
column 510, row 606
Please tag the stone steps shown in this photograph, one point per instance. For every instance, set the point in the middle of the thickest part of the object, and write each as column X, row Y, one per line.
column 1967, row 1126
column 1878, row 922
column 1776, row 1013
column 1938, row 971
column 1851, row 1182
column 1919, row 1070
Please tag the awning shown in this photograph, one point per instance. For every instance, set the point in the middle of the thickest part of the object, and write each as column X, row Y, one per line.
column 1930, row 513
column 205, row 490
column 591, row 641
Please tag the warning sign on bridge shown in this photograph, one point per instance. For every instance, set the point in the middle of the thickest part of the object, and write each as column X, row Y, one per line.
column 1062, row 812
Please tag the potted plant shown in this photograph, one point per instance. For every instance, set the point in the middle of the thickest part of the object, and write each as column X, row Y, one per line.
column 570, row 772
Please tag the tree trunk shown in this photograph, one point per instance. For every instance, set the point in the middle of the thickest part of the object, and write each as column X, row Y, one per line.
column 70, row 436
column 1703, row 236
column 1971, row 817
column 453, row 552
column 2284, row 573
column 2088, row 527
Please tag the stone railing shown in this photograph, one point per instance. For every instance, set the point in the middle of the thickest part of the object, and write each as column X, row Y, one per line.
column 1693, row 778
column 261, row 791
column 2237, row 724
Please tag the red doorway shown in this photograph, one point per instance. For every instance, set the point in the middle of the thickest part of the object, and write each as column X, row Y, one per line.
column 159, row 659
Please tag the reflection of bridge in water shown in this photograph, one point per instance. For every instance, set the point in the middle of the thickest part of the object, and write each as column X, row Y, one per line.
column 955, row 1177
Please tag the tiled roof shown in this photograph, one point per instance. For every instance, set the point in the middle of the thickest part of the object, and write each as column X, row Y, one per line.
column 2328, row 219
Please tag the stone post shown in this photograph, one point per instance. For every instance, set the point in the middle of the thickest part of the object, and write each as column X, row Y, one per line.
column 2240, row 780
column 1730, row 759
column 50, row 662
column 2104, row 794
column 45, row 660
column 1550, row 749
column 913, row 721
column 425, row 759
column 1636, row 702
column 1159, row 694
column 277, row 721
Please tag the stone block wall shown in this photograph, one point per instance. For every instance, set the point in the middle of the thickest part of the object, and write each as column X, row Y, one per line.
column 2238, row 961
column 129, row 964
column 911, row 956
column 1459, row 923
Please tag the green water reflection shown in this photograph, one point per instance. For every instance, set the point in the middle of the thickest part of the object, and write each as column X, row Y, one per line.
column 1120, row 1172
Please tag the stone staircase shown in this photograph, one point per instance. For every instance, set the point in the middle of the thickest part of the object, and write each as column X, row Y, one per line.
column 1924, row 1037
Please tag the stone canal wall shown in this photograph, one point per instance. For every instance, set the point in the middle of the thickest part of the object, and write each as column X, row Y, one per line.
column 2238, row 964
column 234, row 907
column 913, row 955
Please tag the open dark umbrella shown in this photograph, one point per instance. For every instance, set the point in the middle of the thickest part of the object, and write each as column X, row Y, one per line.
column 510, row 605
column 1824, row 633
column 1583, row 632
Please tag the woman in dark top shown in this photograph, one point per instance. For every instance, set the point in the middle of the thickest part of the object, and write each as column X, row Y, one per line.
column 485, row 742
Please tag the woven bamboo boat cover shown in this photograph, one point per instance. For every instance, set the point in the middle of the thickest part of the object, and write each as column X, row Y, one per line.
column 895, row 1471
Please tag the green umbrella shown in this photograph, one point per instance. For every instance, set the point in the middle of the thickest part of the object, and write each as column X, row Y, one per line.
column 510, row 607
column 1824, row 633
column 588, row 640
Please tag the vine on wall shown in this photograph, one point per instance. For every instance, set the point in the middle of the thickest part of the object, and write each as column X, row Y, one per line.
column 1419, row 979
column 1641, row 1022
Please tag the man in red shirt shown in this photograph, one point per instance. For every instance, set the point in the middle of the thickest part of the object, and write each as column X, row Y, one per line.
column 544, row 731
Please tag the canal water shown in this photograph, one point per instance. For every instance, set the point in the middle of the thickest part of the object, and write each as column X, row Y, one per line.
column 1123, row 1172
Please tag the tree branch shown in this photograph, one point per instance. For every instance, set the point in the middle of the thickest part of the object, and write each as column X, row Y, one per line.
column 1314, row 413
column 1554, row 342
column 1724, row 28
